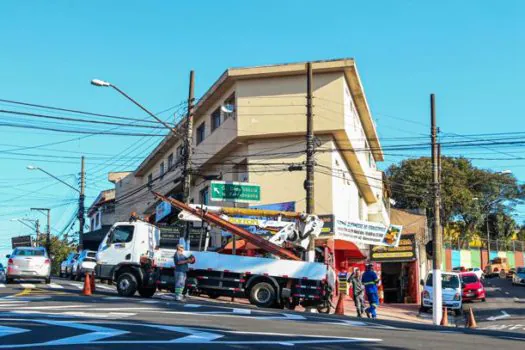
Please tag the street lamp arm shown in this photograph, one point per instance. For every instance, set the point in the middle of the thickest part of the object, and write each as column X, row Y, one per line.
column 56, row 178
column 175, row 131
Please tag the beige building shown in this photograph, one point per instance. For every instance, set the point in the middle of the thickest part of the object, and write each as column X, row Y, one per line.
column 250, row 126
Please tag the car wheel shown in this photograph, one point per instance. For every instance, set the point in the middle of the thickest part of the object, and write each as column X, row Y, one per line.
column 483, row 300
column 127, row 284
column 48, row 280
column 262, row 295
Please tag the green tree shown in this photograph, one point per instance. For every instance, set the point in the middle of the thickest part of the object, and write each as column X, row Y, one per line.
column 59, row 251
column 469, row 195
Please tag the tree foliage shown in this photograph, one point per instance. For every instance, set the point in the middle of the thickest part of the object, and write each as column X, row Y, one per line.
column 59, row 251
column 469, row 195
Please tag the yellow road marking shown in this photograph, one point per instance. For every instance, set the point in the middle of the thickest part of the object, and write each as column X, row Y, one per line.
column 26, row 291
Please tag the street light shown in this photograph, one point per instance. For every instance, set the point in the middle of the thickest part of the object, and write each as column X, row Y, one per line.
column 102, row 83
column 32, row 167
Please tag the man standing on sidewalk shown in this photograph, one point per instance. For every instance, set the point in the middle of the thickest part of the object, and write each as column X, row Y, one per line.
column 358, row 291
column 370, row 281
column 181, row 268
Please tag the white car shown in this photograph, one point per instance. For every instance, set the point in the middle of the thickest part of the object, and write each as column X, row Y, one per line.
column 64, row 265
column 451, row 292
column 519, row 277
column 28, row 263
column 478, row 271
column 85, row 263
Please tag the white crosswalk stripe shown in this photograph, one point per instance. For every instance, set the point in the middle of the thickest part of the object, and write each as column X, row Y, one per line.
column 55, row 286
column 27, row 285
column 104, row 287
column 76, row 285
column 2, row 285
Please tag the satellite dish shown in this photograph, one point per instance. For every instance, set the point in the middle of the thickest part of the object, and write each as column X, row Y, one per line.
column 227, row 108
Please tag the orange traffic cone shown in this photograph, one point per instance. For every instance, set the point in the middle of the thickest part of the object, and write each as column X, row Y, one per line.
column 381, row 294
column 87, row 285
column 340, row 308
column 92, row 285
column 471, row 322
column 444, row 320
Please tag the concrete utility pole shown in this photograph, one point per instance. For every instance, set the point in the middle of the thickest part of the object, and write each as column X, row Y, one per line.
column 310, row 162
column 48, row 233
column 437, row 300
column 37, row 229
column 188, row 138
column 81, row 204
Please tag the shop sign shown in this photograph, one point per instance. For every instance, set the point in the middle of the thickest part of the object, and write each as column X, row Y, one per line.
column 405, row 251
column 21, row 241
column 328, row 224
column 367, row 232
column 162, row 210
column 240, row 192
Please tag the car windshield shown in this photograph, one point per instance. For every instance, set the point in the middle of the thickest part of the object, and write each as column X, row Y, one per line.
column 29, row 252
column 447, row 281
column 92, row 254
column 469, row 279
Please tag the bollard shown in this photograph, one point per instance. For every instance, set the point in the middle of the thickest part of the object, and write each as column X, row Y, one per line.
column 444, row 320
column 340, row 308
column 87, row 285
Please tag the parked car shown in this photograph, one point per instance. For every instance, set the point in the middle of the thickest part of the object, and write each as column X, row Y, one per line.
column 510, row 273
column 30, row 263
column 497, row 266
column 451, row 292
column 472, row 288
column 478, row 271
column 86, row 262
column 69, row 266
column 519, row 276
column 65, row 264
column 2, row 273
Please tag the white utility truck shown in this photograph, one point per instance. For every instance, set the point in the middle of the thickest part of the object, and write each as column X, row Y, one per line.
column 131, row 254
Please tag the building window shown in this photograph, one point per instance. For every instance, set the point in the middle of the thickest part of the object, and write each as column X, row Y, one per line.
column 201, row 130
column 229, row 107
column 150, row 178
column 92, row 224
column 216, row 119
column 180, row 153
column 170, row 161
column 204, row 195
column 162, row 170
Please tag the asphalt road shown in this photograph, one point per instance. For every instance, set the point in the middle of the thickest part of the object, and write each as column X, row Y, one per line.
column 57, row 316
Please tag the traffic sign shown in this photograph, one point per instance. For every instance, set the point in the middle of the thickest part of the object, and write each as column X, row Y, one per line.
column 240, row 192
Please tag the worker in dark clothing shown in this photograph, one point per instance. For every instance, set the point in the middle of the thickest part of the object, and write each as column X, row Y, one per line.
column 370, row 281
column 358, row 291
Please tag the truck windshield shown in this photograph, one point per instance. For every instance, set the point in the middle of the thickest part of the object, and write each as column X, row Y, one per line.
column 447, row 281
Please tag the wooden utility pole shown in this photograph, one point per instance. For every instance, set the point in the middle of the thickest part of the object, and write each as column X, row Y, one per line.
column 188, row 138
column 310, row 162
column 81, row 199
column 437, row 238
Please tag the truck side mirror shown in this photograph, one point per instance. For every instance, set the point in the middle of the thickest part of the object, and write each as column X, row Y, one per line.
column 421, row 282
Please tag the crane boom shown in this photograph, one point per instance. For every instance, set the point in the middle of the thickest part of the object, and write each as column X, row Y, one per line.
column 234, row 229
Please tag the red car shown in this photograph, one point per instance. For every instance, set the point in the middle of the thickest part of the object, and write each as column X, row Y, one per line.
column 472, row 287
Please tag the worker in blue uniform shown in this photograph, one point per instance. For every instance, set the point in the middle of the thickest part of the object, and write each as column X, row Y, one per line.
column 371, row 281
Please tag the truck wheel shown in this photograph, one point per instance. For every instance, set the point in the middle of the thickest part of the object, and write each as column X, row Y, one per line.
column 126, row 284
column 147, row 292
column 48, row 280
column 262, row 295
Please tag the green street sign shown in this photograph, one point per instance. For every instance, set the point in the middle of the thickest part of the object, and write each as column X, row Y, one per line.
column 240, row 192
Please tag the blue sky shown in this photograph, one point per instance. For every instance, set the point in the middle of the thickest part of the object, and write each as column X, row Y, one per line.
column 469, row 53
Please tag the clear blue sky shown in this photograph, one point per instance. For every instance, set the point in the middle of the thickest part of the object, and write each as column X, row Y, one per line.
column 470, row 53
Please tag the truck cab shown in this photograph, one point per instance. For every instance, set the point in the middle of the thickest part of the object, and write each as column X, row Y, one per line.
column 120, row 252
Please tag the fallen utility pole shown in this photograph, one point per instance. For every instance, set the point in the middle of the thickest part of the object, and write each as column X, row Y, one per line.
column 188, row 138
column 81, row 205
column 234, row 229
column 309, row 183
column 437, row 300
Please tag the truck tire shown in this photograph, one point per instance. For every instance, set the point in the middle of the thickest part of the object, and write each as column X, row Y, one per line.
column 262, row 295
column 127, row 284
column 147, row 292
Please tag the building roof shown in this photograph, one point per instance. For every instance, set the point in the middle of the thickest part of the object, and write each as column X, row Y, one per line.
column 228, row 78
column 103, row 197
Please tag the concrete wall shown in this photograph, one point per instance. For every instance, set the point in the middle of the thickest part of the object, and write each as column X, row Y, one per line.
column 477, row 258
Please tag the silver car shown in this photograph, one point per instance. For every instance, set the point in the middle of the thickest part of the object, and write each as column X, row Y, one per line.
column 29, row 263
column 85, row 263
column 64, row 265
